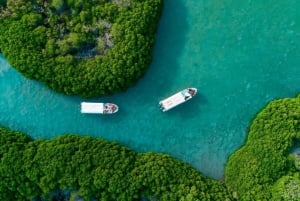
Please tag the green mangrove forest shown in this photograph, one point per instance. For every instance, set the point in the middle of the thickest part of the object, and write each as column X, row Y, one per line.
column 99, row 47
column 76, row 47
column 264, row 168
column 95, row 168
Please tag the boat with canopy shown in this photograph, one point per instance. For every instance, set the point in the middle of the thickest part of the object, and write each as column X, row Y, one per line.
column 177, row 99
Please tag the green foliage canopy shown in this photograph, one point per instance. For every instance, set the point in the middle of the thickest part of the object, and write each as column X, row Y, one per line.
column 85, row 48
column 95, row 168
column 255, row 168
column 262, row 169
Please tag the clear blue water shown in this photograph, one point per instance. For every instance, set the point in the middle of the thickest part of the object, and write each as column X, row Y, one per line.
column 239, row 54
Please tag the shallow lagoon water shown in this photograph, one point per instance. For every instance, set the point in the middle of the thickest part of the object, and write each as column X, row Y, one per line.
column 240, row 55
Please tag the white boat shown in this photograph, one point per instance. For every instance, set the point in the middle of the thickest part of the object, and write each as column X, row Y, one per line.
column 99, row 108
column 177, row 99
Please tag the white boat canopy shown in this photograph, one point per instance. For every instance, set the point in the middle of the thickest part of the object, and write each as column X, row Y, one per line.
column 95, row 108
column 177, row 99
column 173, row 101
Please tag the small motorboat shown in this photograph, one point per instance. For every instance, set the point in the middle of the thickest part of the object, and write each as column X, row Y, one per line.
column 177, row 99
column 99, row 108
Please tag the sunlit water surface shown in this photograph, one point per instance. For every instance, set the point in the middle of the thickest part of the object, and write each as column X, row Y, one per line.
column 239, row 54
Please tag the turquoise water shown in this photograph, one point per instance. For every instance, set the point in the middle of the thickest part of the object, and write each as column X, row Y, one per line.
column 239, row 54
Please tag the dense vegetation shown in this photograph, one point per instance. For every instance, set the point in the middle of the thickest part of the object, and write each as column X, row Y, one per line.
column 87, row 48
column 94, row 168
column 264, row 168
column 97, row 47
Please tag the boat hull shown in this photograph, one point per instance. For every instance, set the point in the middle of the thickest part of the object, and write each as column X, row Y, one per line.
column 177, row 99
